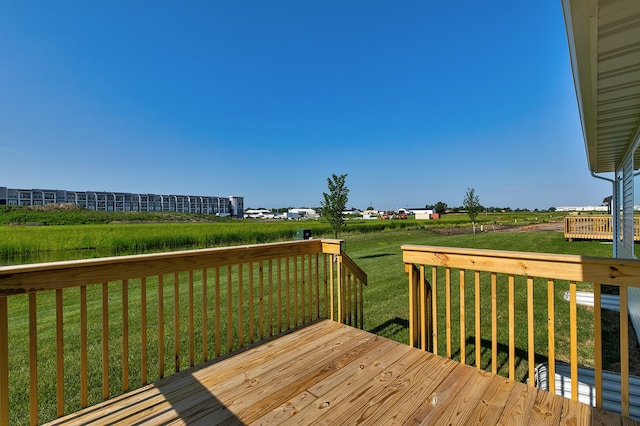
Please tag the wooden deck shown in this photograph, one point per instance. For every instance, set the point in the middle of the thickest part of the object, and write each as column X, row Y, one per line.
column 329, row 373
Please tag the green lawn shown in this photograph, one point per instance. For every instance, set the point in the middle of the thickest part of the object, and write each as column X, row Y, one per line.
column 385, row 304
column 386, row 297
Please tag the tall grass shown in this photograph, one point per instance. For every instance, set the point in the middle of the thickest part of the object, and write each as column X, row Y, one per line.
column 116, row 239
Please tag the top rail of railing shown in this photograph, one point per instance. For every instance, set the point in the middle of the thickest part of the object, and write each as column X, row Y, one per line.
column 603, row 270
column 18, row 279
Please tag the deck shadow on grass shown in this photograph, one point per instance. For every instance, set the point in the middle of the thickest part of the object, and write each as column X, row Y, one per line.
column 521, row 356
column 372, row 256
column 391, row 327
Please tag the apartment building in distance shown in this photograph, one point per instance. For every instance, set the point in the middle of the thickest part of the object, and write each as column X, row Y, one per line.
column 124, row 201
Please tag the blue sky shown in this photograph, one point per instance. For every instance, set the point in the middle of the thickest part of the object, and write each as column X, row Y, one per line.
column 416, row 101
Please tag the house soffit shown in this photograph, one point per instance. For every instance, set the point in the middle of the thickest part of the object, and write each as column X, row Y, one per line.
column 604, row 44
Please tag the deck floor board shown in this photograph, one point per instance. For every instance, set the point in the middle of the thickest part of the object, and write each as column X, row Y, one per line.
column 328, row 373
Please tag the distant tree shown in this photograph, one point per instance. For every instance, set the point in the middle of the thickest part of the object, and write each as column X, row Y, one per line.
column 552, row 209
column 334, row 202
column 440, row 207
column 472, row 206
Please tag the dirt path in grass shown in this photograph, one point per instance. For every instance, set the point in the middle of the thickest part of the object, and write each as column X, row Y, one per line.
column 533, row 227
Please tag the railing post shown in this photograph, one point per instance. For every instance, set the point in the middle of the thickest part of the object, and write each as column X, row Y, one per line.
column 420, row 321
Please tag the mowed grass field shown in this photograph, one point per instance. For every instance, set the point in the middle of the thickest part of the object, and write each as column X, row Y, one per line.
column 387, row 297
column 376, row 250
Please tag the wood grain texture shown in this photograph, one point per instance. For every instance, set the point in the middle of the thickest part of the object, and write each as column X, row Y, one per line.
column 328, row 373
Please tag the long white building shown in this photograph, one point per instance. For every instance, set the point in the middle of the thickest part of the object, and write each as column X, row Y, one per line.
column 124, row 201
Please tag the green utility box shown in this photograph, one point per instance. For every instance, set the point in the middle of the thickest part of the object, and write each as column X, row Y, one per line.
column 303, row 234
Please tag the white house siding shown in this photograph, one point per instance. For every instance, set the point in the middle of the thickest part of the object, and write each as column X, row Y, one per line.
column 626, row 245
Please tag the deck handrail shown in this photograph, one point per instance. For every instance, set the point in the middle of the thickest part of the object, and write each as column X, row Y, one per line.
column 111, row 325
column 483, row 277
column 593, row 227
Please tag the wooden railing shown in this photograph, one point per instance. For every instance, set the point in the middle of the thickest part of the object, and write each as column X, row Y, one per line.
column 75, row 333
column 596, row 227
column 505, row 311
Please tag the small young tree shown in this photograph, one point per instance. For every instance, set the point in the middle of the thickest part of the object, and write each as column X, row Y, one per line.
column 334, row 202
column 472, row 205
column 440, row 207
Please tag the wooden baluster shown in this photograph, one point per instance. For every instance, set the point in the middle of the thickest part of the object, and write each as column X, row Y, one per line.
column 530, row 331
column 288, row 286
column 191, row 313
column 448, row 309
column 597, row 337
column 280, row 307
column 512, row 328
column 59, row 354
column 251, row 304
column 143, row 331
column 83, row 348
column 262, row 300
column 229, row 311
column 4, row 361
column 218, row 321
column 303, row 299
column 176, row 321
column 413, row 318
column 295, row 291
column 310, row 278
column 551, row 334
column 105, row 341
column 125, row 335
column 33, row 359
column 478, row 337
column 419, row 291
column 494, row 323
column 205, row 318
column 270, row 283
column 240, row 308
column 434, row 307
column 160, row 326
column 463, row 332
column 573, row 331
column 317, row 259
